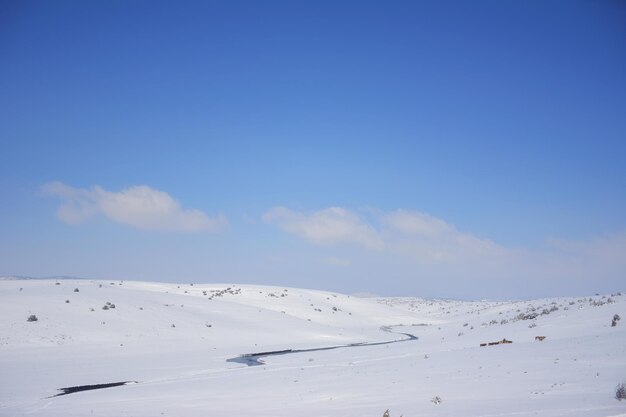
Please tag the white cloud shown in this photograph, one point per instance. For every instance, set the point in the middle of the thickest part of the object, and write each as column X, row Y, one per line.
column 425, row 252
column 416, row 234
column 141, row 207
column 413, row 223
column 430, row 238
column 326, row 227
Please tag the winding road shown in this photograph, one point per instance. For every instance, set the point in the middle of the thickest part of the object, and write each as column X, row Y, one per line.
column 251, row 359
column 254, row 359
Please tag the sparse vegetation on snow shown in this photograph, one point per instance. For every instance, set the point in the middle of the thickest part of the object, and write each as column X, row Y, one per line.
column 174, row 339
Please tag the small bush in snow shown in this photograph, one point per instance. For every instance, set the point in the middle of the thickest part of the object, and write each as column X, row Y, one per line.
column 436, row 400
column 32, row 317
column 616, row 318
column 620, row 392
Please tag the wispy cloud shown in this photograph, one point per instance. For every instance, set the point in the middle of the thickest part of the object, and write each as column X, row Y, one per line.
column 140, row 207
column 401, row 231
column 420, row 248
column 429, row 238
column 326, row 227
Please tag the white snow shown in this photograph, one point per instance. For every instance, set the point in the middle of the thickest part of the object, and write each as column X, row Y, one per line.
column 174, row 340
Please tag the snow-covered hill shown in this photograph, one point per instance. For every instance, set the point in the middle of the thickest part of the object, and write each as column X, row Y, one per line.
column 175, row 340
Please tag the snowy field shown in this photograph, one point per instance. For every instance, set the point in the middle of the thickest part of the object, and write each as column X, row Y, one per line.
column 173, row 343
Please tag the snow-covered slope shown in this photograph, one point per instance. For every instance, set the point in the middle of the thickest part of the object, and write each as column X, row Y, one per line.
column 174, row 340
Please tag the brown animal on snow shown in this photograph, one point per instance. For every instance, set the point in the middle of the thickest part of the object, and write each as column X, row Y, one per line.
column 540, row 338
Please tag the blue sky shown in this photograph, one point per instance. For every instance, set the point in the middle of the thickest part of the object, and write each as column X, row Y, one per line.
column 460, row 149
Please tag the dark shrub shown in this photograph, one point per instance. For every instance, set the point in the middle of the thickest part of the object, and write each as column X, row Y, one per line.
column 616, row 318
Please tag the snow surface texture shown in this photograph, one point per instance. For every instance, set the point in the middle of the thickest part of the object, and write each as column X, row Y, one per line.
column 174, row 341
